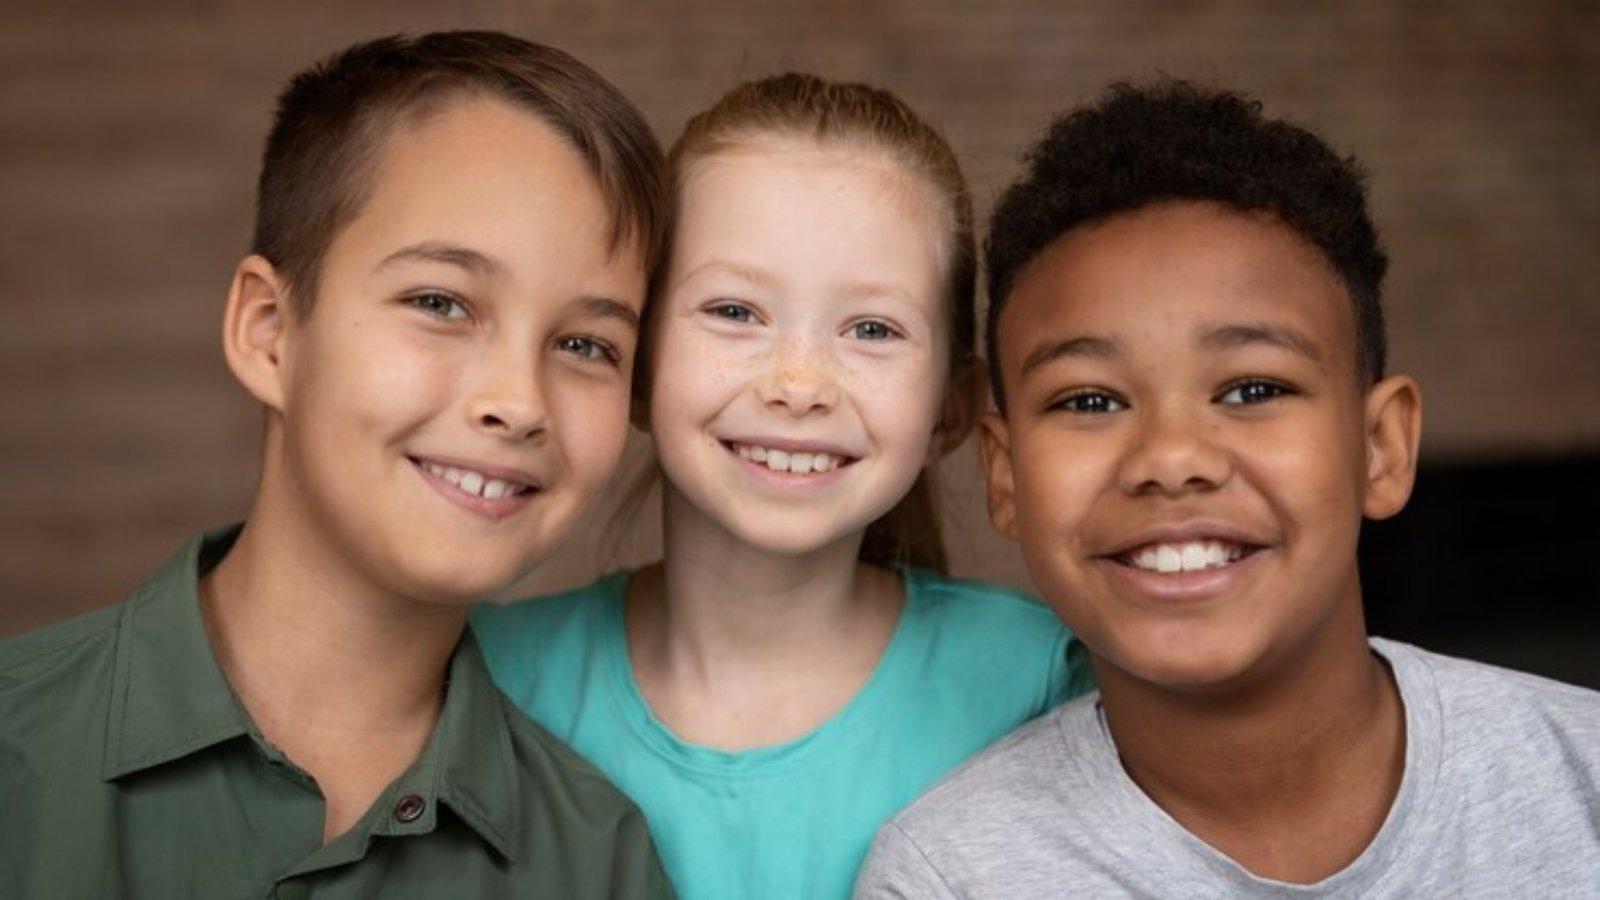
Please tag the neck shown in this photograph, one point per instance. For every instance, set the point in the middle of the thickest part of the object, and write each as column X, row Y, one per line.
column 1291, row 775
column 721, row 623
column 726, row 596
column 346, row 679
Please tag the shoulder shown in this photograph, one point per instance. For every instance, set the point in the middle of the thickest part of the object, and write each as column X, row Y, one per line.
column 56, row 651
column 981, row 606
column 555, row 772
column 55, row 695
column 531, row 624
column 571, row 812
column 992, row 641
column 1465, row 686
column 1487, row 710
column 1021, row 772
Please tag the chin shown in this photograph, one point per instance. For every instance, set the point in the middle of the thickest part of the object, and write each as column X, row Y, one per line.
column 461, row 581
column 1191, row 667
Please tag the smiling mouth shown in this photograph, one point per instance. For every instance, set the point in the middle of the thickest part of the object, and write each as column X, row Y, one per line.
column 1186, row 556
column 795, row 462
column 476, row 484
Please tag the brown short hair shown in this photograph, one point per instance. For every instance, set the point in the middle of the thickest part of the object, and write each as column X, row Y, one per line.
column 333, row 118
column 852, row 115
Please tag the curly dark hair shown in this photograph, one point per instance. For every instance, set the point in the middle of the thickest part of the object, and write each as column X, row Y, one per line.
column 1173, row 140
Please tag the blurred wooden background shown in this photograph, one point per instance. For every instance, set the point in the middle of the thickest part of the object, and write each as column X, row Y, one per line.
column 129, row 136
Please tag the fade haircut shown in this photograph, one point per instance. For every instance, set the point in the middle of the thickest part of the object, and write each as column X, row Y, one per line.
column 334, row 118
column 1172, row 140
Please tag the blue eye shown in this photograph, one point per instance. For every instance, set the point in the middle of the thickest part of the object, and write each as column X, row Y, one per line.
column 872, row 330
column 589, row 349
column 440, row 306
column 1253, row 391
column 1089, row 403
column 732, row 311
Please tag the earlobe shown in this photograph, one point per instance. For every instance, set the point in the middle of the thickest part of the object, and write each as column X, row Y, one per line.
column 1394, row 433
column 254, row 329
column 994, row 444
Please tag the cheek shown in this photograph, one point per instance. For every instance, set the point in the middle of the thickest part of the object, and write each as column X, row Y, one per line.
column 693, row 373
column 906, row 395
column 591, row 421
column 374, row 380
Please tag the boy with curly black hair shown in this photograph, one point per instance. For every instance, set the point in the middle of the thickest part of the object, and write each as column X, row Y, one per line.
column 1187, row 344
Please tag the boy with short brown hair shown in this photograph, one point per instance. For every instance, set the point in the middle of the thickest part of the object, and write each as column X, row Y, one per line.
column 439, row 318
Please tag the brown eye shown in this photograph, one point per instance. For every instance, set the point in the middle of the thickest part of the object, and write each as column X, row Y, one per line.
column 1249, row 393
column 1089, row 403
column 440, row 306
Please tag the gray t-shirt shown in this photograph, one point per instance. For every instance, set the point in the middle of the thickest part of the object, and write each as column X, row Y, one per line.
column 1500, row 798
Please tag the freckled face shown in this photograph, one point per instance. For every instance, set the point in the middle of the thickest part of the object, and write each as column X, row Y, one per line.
column 1185, row 452
column 800, row 356
column 458, row 395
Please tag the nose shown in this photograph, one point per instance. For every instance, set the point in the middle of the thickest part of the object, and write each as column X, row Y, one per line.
column 800, row 380
column 1174, row 452
column 507, row 398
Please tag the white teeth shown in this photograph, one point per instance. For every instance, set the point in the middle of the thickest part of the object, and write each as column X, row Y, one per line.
column 475, row 483
column 1194, row 556
column 784, row 461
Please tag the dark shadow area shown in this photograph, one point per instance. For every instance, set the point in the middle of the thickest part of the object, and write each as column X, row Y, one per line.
column 1499, row 563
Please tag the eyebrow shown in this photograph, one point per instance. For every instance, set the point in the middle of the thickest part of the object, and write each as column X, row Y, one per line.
column 1225, row 337
column 448, row 254
column 605, row 307
column 1086, row 347
column 479, row 264
column 742, row 272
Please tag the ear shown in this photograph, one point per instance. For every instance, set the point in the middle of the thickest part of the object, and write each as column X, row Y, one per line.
column 964, row 398
column 1394, row 432
column 994, row 444
column 254, row 329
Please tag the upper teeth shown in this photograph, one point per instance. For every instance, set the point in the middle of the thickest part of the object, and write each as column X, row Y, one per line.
column 1193, row 556
column 474, row 483
column 785, row 461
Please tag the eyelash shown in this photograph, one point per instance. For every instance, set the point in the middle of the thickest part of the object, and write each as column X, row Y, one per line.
column 589, row 348
column 438, row 304
column 1096, row 402
column 889, row 331
column 1078, row 401
column 732, row 311
column 1272, row 389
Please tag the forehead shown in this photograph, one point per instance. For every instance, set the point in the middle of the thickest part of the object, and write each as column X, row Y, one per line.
column 815, row 208
column 1163, row 276
column 482, row 174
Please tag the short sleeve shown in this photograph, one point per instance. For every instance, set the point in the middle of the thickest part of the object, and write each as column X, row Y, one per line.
column 896, row 869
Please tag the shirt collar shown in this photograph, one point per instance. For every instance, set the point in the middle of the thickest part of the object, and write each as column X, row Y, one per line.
column 170, row 699
column 469, row 764
column 169, row 696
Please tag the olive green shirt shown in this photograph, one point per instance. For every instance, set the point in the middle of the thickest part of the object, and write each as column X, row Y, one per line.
column 128, row 768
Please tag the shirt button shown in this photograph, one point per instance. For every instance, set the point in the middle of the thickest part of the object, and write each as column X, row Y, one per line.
column 410, row 808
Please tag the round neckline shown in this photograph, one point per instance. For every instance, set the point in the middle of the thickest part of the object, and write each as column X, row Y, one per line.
column 771, row 760
column 1375, row 861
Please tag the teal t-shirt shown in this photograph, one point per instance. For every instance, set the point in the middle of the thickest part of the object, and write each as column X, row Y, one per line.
column 968, row 662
